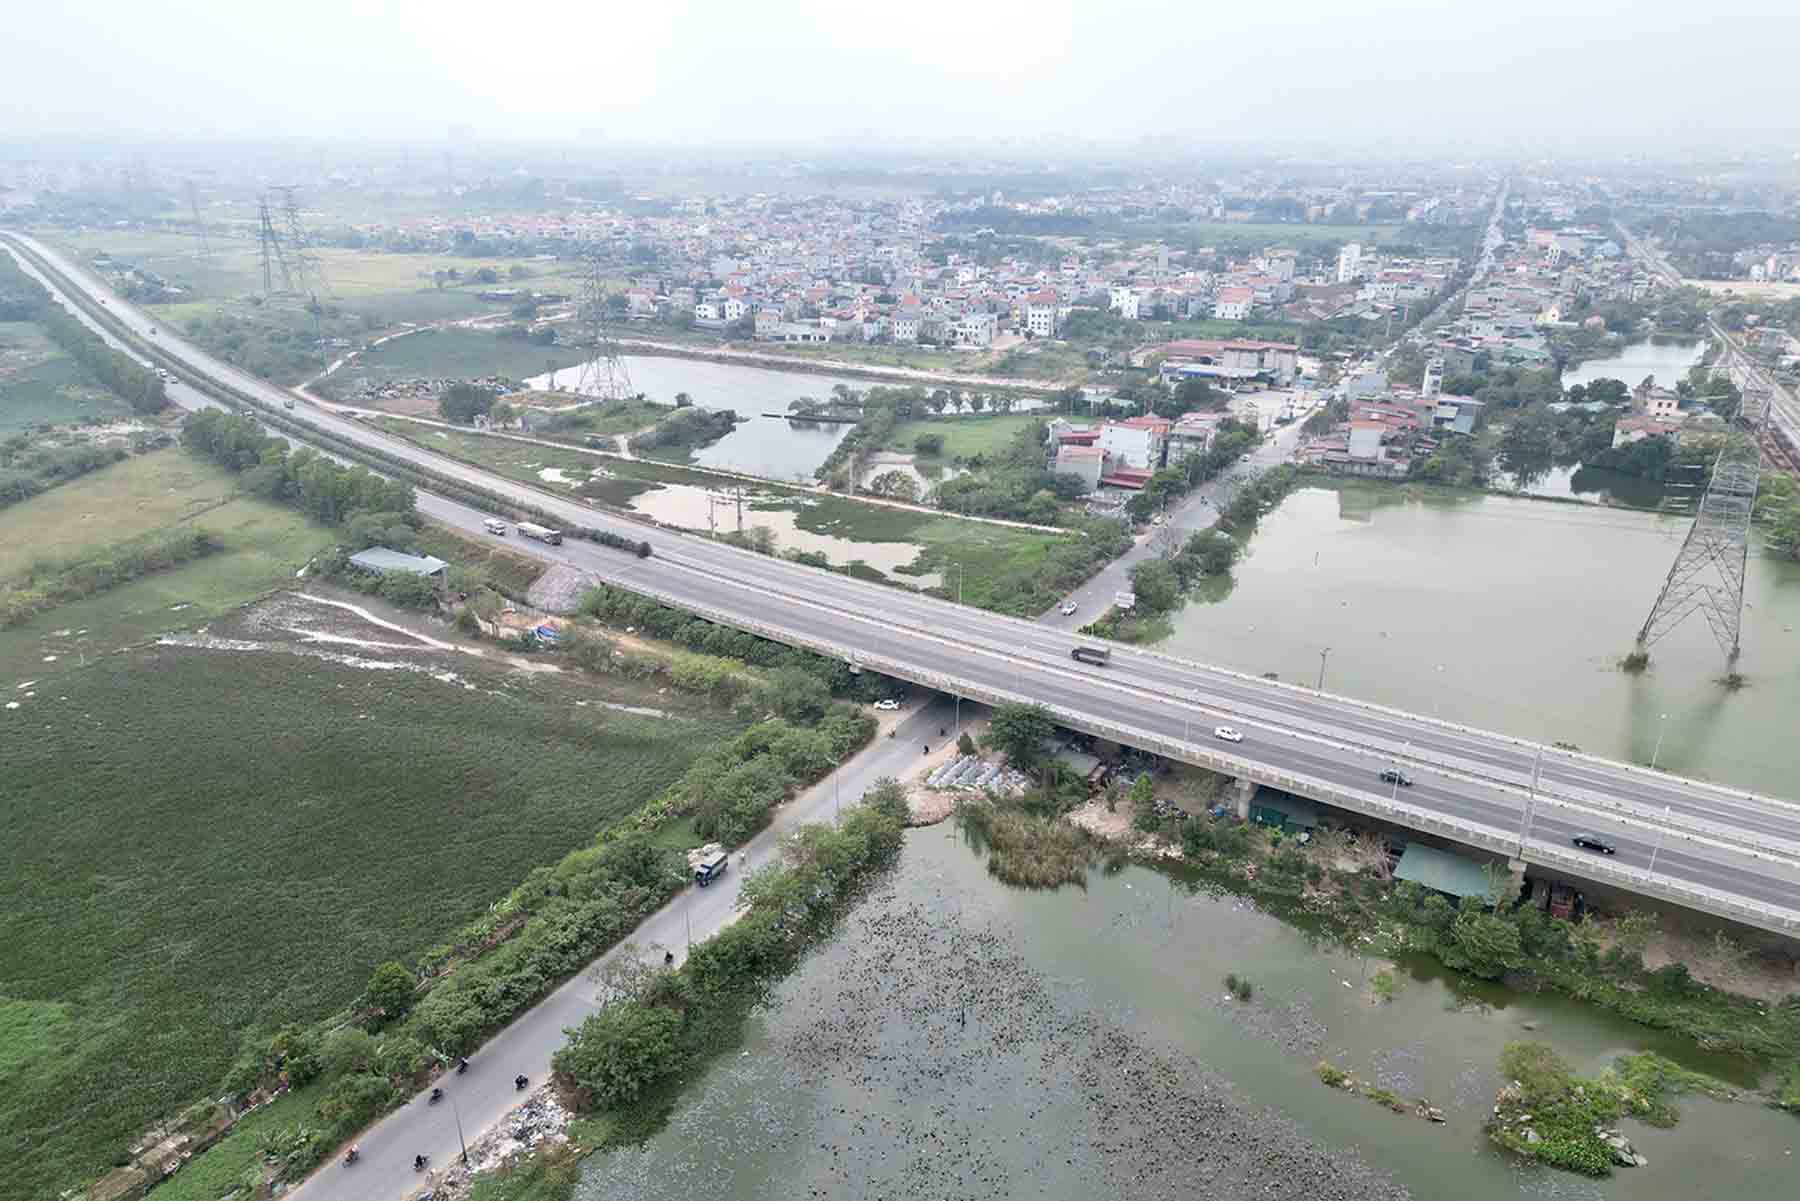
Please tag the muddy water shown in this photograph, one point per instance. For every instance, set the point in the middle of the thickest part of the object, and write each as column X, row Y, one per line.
column 959, row 1039
column 687, row 506
column 1510, row 614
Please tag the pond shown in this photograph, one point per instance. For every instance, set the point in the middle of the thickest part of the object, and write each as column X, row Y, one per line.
column 692, row 507
column 1665, row 359
column 1510, row 614
column 960, row 1039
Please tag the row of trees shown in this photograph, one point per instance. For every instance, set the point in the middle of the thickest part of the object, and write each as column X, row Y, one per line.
column 658, row 1023
column 23, row 298
column 370, row 508
column 1232, row 439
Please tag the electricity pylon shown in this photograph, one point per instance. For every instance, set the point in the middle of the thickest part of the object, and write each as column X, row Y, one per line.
column 1708, row 574
column 604, row 376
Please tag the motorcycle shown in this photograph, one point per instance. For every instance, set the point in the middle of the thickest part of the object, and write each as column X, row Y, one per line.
column 418, row 1163
column 462, row 1065
column 352, row 1155
column 437, row 1094
column 519, row 1082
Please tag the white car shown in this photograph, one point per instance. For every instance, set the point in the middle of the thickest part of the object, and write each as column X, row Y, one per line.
column 1227, row 734
column 888, row 705
column 1068, row 609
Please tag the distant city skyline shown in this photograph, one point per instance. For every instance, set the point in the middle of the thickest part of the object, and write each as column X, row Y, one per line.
column 1408, row 75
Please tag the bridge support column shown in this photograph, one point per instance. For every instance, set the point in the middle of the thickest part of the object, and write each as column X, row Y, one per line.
column 1241, row 792
column 1515, row 881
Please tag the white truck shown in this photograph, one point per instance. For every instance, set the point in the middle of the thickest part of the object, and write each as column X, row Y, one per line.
column 530, row 529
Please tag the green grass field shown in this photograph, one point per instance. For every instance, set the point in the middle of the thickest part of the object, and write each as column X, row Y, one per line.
column 456, row 354
column 40, row 385
column 235, row 265
column 964, row 437
column 164, row 887
column 266, row 544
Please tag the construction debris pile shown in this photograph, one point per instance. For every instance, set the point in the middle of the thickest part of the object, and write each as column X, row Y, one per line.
column 423, row 388
column 970, row 773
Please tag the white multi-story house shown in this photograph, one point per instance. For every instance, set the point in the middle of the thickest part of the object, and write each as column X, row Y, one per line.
column 1136, row 442
column 971, row 329
column 1233, row 304
column 906, row 325
column 1349, row 263
column 1040, row 314
column 1123, row 300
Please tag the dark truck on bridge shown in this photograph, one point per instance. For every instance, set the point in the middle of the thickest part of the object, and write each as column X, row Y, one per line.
column 1099, row 656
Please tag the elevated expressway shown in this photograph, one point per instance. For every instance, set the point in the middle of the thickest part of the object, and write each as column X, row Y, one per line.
column 1720, row 850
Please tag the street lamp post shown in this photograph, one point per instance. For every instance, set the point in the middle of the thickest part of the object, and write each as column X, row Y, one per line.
column 1662, row 727
column 959, row 584
column 1537, row 765
column 459, row 1130
column 1396, row 797
column 837, row 807
column 1661, row 833
column 1322, row 657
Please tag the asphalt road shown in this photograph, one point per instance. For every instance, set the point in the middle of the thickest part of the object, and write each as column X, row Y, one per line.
column 1716, row 837
column 482, row 1096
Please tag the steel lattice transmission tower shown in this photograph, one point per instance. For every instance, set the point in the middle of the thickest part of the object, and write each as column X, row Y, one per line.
column 193, row 199
column 1708, row 575
column 274, row 254
column 604, row 376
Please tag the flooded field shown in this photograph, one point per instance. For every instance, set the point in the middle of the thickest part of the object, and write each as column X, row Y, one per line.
column 960, row 1039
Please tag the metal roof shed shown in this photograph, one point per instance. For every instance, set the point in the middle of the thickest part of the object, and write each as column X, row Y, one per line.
column 1443, row 872
column 382, row 561
column 1285, row 811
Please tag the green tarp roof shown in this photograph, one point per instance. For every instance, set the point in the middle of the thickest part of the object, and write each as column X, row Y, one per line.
column 1444, row 872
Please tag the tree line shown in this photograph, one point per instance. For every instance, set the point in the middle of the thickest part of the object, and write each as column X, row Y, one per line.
column 23, row 298
column 371, row 509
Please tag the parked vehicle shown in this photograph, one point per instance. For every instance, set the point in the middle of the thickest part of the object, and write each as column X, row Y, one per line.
column 887, row 706
column 1227, row 734
column 530, row 529
column 1393, row 775
column 494, row 525
column 287, row 404
column 1099, row 656
column 1068, row 609
column 1594, row 842
column 711, row 868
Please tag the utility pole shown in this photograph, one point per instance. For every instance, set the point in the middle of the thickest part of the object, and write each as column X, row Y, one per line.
column 1662, row 727
column 1322, row 656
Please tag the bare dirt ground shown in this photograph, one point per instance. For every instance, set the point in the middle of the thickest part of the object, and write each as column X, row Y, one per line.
column 931, row 805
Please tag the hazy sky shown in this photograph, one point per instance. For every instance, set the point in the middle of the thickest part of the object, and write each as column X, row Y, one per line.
column 1444, row 72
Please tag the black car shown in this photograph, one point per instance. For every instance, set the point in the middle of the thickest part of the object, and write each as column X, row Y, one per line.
column 1593, row 842
column 1393, row 775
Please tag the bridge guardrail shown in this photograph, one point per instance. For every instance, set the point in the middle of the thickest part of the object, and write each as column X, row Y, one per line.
column 1369, row 804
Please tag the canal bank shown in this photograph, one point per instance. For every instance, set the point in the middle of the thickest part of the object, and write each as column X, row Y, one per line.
column 959, row 1038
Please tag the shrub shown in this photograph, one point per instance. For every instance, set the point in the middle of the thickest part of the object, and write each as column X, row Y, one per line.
column 391, row 990
column 620, row 1051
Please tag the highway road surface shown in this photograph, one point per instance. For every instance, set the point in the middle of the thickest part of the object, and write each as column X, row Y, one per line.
column 1704, row 839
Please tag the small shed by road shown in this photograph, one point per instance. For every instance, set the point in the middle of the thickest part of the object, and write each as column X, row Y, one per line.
column 1286, row 812
column 1441, row 871
column 382, row 561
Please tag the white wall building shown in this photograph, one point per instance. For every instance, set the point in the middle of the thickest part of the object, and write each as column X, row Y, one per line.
column 1349, row 264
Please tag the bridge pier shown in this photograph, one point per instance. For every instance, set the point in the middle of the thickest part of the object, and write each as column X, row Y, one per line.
column 1515, row 881
column 1241, row 792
